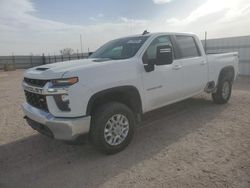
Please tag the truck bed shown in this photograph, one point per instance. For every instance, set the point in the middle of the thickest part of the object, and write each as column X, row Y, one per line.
column 216, row 62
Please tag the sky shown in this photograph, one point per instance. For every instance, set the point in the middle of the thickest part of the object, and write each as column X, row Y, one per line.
column 46, row 26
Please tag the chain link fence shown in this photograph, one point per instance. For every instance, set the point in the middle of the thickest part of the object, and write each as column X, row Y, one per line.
column 24, row 62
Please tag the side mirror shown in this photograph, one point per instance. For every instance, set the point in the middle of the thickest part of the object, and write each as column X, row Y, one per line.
column 164, row 55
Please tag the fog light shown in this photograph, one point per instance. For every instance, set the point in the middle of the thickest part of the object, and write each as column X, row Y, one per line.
column 62, row 102
column 65, row 98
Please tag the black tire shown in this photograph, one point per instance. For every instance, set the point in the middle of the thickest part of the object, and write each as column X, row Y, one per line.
column 219, row 97
column 99, row 122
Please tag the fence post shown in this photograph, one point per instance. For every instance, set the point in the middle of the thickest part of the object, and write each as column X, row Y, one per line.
column 13, row 59
column 31, row 62
column 43, row 60
column 77, row 54
column 49, row 58
column 62, row 57
column 205, row 45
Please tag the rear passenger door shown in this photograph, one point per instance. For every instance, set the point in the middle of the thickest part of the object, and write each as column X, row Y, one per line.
column 194, row 66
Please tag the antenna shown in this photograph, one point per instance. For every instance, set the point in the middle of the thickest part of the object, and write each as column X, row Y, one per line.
column 145, row 32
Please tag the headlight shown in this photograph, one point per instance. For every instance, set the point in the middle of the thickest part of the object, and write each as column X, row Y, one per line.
column 65, row 81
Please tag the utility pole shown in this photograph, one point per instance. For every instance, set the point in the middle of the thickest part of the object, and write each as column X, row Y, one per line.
column 81, row 43
column 205, row 43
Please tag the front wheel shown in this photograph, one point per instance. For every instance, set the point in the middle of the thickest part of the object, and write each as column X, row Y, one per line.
column 112, row 127
column 223, row 92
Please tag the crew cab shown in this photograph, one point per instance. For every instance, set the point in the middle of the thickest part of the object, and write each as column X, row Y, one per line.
column 106, row 95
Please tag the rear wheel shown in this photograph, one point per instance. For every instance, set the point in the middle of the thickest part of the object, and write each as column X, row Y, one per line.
column 223, row 92
column 112, row 127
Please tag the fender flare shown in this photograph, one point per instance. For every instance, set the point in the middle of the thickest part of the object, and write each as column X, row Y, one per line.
column 128, row 95
column 226, row 70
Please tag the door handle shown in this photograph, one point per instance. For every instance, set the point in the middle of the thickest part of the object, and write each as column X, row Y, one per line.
column 176, row 67
column 203, row 63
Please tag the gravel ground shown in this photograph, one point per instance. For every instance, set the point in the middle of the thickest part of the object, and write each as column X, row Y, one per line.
column 193, row 143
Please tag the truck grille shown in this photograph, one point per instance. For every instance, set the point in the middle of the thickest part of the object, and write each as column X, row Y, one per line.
column 36, row 100
column 35, row 82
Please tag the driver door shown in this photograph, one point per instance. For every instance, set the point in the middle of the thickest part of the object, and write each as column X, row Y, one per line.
column 162, row 85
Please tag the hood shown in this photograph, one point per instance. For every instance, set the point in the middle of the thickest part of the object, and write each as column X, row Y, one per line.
column 57, row 70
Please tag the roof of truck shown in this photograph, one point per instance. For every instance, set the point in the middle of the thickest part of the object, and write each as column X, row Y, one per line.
column 160, row 33
column 164, row 33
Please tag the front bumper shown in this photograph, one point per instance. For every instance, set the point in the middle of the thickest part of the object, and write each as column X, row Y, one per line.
column 61, row 128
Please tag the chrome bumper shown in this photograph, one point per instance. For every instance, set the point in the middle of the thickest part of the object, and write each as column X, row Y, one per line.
column 62, row 128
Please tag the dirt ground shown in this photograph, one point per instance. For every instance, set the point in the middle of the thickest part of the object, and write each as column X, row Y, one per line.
column 193, row 143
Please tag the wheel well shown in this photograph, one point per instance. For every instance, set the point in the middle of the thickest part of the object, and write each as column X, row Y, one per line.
column 227, row 72
column 127, row 95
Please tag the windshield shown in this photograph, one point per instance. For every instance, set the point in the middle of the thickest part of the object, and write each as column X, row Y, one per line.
column 120, row 48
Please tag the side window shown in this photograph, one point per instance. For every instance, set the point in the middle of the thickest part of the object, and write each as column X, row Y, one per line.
column 187, row 46
column 150, row 54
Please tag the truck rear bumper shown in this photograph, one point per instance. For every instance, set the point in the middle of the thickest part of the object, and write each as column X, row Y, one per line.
column 58, row 128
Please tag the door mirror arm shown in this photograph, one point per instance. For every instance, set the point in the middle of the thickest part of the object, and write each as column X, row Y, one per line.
column 149, row 67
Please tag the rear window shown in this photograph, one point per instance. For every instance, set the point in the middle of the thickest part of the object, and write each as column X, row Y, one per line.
column 187, row 46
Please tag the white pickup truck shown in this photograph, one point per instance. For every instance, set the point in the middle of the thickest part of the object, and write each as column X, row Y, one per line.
column 107, row 94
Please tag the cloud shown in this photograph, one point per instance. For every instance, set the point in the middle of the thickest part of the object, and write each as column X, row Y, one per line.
column 133, row 21
column 22, row 32
column 220, row 18
column 16, row 15
column 100, row 15
column 93, row 18
column 159, row 2
column 97, row 18
column 231, row 9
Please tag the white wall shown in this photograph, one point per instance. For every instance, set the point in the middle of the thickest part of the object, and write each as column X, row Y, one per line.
column 239, row 44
